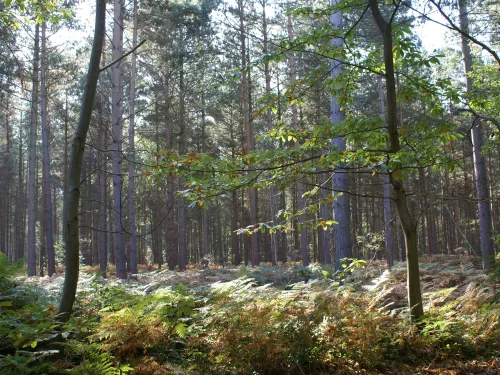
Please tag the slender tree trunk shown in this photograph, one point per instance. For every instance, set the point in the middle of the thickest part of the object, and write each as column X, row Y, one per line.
column 387, row 192
column 103, row 256
column 325, row 255
column 252, row 194
column 157, row 235
column 65, row 179
column 171, row 236
column 43, row 238
column 480, row 170
column 32, row 160
column 131, row 163
column 272, row 190
column 182, row 150
column 77, row 148
column 304, row 250
column 54, row 210
column 4, row 206
column 342, row 230
column 21, row 203
column 429, row 216
column 117, row 143
column 49, row 230
column 400, row 195
column 95, row 219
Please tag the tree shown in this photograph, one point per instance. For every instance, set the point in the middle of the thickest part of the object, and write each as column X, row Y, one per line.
column 387, row 193
column 117, row 139
column 304, row 248
column 341, row 232
column 131, row 145
column 480, row 170
column 249, row 142
column 49, row 230
column 71, row 234
column 400, row 195
column 32, row 160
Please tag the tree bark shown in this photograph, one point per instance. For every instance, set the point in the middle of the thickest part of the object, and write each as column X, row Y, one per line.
column 303, row 247
column 4, row 206
column 252, row 194
column 400, row 196
column 32, row 160
column 49, row 230
column 272, row 190
column 182, row 149
column 480, row 170
column 387, row 193
column 21, row 203
column 103, row 197
column 117, row 140
column 171, row 236
column 429, row 216
column 342, row 230
column 72, row 243
column 131, row 160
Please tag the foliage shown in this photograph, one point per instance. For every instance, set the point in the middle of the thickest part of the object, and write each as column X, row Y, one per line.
column 26, row 324
column 53, row 11
column 95, row 360
column 7, row 269
column 266, row 320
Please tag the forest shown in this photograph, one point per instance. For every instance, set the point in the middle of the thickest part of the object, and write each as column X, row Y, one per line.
column 249, row 187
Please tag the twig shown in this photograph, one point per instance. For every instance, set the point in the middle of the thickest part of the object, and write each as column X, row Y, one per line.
column 122, row 57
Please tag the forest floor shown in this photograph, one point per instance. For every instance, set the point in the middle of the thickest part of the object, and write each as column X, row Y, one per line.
column 281, row 320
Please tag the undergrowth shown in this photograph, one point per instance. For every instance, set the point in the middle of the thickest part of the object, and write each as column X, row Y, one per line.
column 307, row 322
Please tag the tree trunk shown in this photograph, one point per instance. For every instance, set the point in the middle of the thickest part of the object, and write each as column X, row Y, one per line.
column 32, row 160
column 21, row 203
column 131, row 160
column 342, row 230
column 4, row 204
column 480, row 170
column 304, row 250
column 171, row 236
column 387, row 192
column 49, row 230
column 324, row 252
column 182, row 147
column 77, row 148
column 409, row 226
column 117, row 141
column 252, row 194
column 103, row 256
column 272, row 190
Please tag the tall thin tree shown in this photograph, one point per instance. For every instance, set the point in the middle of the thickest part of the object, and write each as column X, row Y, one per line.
column 32, row 159
column 49, row 230
column 342, row 230
column 131, row 160
column 72, row 239
column 117, row 140
column 480, row 170
column 249, row 143
column 304, row 249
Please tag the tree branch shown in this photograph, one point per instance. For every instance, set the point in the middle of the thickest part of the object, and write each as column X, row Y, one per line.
column 122, row 57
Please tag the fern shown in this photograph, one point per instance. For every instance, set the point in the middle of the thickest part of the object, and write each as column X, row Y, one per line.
column 25, row 362
column 95, row 360
column 100, row 363
column 9, row 269
column 181, row 329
